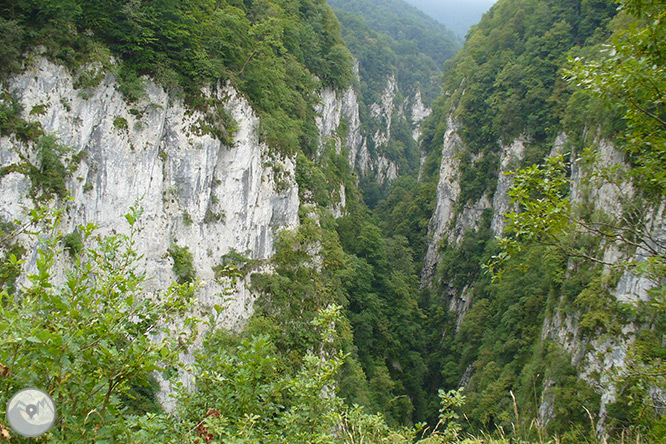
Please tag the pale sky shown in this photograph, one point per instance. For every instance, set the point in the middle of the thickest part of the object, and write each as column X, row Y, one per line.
column 457, row 15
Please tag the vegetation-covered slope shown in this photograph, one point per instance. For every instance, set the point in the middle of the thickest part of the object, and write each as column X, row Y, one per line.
column 405, row 24
column 391, row 37
column 268, row 50
column 508, row 82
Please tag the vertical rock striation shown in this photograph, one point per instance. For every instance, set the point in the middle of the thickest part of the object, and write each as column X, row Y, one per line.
column 195, row 191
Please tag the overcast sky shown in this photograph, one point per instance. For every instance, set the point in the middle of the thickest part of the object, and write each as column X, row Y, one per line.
column 457, row 15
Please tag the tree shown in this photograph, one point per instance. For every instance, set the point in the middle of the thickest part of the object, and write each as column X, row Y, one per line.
column 631, row 74
column 628, row 75
column 88, row 335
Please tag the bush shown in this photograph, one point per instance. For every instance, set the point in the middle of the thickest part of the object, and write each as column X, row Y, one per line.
column 50, row 176
column 90, row 340
column 183, row 264
column 73, row 243
column 120, row 123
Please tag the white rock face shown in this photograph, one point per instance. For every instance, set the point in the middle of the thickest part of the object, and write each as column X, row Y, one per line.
column 195, row 191
column 334, row 108
column 418, row 112
column 509, row 159
column 598, row 358
column 351, row 112
column 448, row 190
column 448, row 223
column 329, row 111
column 383, row 111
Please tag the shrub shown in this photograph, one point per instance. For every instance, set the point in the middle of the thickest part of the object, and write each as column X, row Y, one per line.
column 120, row 123
column 183, row 264
column 73, row 243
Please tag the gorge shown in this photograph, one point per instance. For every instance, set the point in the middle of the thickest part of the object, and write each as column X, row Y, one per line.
column 303, row 223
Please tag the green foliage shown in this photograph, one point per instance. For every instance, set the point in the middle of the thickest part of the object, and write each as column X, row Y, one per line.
column 459, row 265
column 447, row 416
column 38, row 110
column 246, row 395
column 120, row 123
column 510, row 63
column 311, row 179
column 12, row 253
column 598, row 308
column 477, row 177
column 544, row 215
column 406, row 25
column 187, row 219
column 94, row 340
column 381, row 288
column 390, row 37
column 11, row 42
column 73, row 243
column 87, row 338
column 629, row 75
column 235, row 264
column 50, row 175
column 218, row 123
column 320, row 182
column 504, row 83
column 183, row 264
column 406, row 211
column 269, row 50
column 578, row 230
column 11, row 122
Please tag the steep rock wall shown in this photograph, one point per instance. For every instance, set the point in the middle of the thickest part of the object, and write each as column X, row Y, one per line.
column 195, row 191
column 336, row 106
column 450, row 219
column 598, row 357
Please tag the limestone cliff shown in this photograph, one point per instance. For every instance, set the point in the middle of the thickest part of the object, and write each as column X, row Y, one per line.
column 338, row 107
column 195, row 191
column 597, row 356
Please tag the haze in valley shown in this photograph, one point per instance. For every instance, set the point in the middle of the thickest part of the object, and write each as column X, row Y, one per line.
column 457, row 15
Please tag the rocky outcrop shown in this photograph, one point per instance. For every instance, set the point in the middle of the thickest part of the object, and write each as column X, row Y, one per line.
column 338, row 118
column 418, row 112
column 451, row 219
column 598, row 357
column 448, row 190
column 509, row 161
column 382, row 112
column 195, row 191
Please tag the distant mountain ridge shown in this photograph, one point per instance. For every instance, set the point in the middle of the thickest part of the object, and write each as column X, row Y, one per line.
column 402, row 21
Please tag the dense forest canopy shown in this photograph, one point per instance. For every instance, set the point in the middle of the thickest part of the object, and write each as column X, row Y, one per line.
column 390, row 37
column 404, row 24
column 271, row 51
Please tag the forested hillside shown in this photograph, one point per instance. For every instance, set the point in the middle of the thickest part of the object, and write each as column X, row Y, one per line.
column 268, row 50
column 388, row 36
column 213, row 228
column 534, row 311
